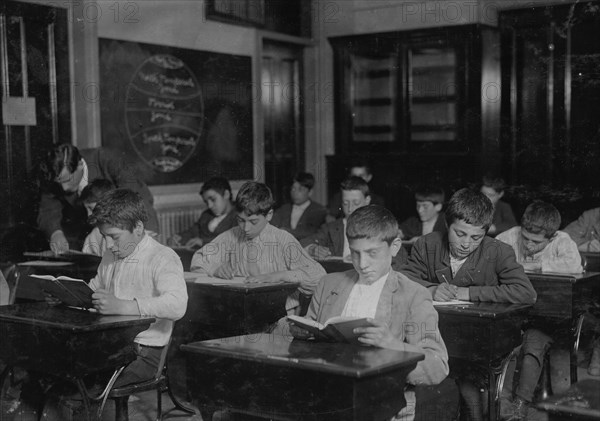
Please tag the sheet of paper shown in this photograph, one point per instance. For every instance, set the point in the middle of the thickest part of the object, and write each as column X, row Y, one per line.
column 46, row 263
column 452, row 303
column 200, row 278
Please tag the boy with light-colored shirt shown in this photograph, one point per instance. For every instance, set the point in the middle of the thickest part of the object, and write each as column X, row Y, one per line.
column 585, row 231
column 257, row 250
column 393, row 304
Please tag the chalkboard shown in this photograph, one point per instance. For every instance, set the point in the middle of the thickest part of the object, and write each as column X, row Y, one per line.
column 181, row 115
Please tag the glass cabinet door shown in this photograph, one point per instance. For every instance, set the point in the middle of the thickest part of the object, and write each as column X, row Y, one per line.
column 373, row 97
column 432, row 93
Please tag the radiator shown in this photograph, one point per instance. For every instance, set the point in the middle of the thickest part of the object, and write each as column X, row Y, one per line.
column 174, row 220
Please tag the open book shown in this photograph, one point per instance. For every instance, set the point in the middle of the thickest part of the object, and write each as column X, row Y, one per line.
column 335, row 329
column 72, row 292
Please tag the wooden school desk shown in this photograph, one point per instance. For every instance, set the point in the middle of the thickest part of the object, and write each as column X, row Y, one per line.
column 66, row 343
column 274, row 376
column 580, row 402
column 563, row 299
column 483, row 334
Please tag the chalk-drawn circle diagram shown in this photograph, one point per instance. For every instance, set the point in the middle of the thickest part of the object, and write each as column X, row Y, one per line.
column 164, row 112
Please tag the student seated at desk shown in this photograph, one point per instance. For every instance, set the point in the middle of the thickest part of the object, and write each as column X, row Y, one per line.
column 331, row 239
column 504, row 218
column 302, row 217
column 465, row 264
column 585, row 231
column 95, row 243
column 430, row 201
column 359, row 169
column 257, row 250
column 394, row 303
column 139, row 277
column 539, row 246
column 218, row 218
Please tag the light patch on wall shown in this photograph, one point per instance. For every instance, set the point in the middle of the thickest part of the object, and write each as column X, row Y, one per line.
column 18, row 111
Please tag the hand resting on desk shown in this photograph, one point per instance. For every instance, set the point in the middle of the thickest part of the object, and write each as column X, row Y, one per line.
column 449, row 292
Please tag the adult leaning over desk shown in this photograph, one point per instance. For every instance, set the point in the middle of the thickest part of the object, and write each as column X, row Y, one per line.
column 66, row 170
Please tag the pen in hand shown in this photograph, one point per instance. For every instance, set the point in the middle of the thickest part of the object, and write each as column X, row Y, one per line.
column 450, row 287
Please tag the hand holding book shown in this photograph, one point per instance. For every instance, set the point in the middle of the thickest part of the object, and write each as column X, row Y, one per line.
column 335, row 329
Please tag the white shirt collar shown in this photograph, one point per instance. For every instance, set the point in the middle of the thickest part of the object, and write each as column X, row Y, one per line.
column 84, row 178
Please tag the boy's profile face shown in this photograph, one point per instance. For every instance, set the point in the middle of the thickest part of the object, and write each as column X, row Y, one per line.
column 372, row 257
column 122, row 242
column 427, row 210
column 89, row 207
column 464, row 238
column 252, row 225
column 299, row 193
column 69, row 181
column 361, row 172
column 216, row 203
column 492, row 194
column 533, row 243
column 352, row 200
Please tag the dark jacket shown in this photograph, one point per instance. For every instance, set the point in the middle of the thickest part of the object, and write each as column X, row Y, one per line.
column 200, row 228
column 64, row 211
column 491, row 272
column 504, row 218
column 310, row 220
column 413, row 227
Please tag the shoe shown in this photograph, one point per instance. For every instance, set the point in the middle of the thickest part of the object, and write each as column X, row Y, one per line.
column 594, row 367
column 518, row 410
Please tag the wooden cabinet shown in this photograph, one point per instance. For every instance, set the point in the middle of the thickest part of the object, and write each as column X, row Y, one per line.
column 551, row 94
column 423, row 106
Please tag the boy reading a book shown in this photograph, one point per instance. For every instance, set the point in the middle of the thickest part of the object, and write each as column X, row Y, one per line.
column 393, row 304
column 257, row 250
column 139, row 277
column 464, row 264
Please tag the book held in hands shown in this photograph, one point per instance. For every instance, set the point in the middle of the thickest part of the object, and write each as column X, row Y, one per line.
column 335, row 329
column 72, row 292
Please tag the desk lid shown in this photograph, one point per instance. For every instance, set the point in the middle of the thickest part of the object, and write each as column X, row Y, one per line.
column 270, row 348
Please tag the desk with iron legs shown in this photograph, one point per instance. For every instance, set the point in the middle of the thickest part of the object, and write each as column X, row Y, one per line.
column 564, row 299
column 274, row 376
column 67, row 343
column 483, row 334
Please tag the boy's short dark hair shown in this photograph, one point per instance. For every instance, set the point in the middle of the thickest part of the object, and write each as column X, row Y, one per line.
column 494, row 182
column 60, row 156
column 541, row 217
column 121, row 208
column 356, row 183
column 470, row 206
column 254, row 198
column 372, row 221
column 305, row 179
column 218, row 184
column 360, row 163
column 431, row 194
column 94, row 191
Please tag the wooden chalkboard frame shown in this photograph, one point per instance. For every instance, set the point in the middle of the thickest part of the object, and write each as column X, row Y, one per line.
column 180, row 115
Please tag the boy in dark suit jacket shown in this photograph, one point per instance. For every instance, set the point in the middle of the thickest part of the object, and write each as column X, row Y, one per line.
column 504, row 218
column 302, row 217
column 465, row 264
column 393, row 303
column 430, row 201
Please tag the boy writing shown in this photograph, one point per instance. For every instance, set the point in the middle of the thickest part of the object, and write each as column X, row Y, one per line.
column 538, row 245
column 303, row 216
column 430, row 201
column 218, row 218
column 465, row 264
column 393, row 303
column 504, row 218
column 257, row 250
column 94, row 243
column 331, row 239
column 585, row 231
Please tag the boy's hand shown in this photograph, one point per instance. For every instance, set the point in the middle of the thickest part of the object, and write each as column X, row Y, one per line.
column 58, row 242
column 298, row 332
column 445, row 292
column 225, row 271
column 462, row 293
column 174, row 241
column 379, row 334
column 194, row 243
column 51, row 299
column 318, row 252
column 106, row 303
column 593, row 245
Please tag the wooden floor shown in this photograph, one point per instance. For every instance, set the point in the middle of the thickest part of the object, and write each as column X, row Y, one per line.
column 142, row 407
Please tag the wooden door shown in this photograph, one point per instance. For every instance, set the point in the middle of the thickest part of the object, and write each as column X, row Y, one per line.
column 283, row 133
column 33, row 64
